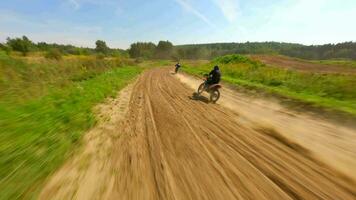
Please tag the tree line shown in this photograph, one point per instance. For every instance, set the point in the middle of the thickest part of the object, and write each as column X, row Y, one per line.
column 24, row 45
column 346, row 50
column 163, row 50
column 166, row 50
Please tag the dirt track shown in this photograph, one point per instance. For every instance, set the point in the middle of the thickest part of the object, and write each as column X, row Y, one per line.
column 173, row 146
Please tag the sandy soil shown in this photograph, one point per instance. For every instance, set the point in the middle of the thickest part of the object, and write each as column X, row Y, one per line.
column 174, row 145
column 300, row 65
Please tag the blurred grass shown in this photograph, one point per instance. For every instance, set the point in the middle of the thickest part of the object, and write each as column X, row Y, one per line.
column 330, row 91
column 44, row 110
column 335, row 62
column 347, row 63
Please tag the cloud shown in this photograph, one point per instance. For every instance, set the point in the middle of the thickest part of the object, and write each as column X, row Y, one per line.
column 229, row 8
column 188, row 7
column 308, row 22
column 75, row 4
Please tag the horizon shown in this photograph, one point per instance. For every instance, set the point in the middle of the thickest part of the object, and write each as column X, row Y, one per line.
column 183, row 22
column 93, row 47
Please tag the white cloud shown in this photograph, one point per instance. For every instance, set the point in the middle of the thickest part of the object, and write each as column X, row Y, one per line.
column 188, row 7
column 229, row 8
column 75, row 4
column 309, row 22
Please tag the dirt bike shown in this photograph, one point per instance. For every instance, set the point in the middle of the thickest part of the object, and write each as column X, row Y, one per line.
column 213, row 90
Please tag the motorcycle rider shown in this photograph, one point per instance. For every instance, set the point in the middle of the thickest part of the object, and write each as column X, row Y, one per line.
column 214, row 76
column 177, row 67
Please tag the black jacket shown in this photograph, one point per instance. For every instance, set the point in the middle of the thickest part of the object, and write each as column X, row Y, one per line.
column 215, row 76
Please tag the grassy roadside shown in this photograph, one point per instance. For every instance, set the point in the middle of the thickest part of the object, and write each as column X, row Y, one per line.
column 334, row 92
column 38, row 130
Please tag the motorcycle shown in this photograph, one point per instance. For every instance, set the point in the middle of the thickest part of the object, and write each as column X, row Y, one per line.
column 213, row 90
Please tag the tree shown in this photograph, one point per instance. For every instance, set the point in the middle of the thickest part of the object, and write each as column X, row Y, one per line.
column 164, row 50
column 101, row 47
column 22, row 45
column 142, row 50
column 5, row 48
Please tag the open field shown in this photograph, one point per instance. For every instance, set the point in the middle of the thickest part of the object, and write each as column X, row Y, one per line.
column 326, row 66
column 174, row 145
column 324, row 91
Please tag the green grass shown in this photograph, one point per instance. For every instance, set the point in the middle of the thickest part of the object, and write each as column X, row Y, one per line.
column 336, row 92
column 343, row 63
column 335, row 62
column 21, row 81
column 39, row 131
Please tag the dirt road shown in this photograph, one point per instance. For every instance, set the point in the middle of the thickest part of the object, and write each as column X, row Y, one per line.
column 171, row 145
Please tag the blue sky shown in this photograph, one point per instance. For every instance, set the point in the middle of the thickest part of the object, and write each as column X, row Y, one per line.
column 122, row 22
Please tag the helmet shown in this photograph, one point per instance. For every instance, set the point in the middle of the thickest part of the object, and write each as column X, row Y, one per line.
column 216, row 67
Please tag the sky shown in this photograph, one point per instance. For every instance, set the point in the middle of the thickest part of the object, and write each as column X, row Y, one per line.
column 122, row 22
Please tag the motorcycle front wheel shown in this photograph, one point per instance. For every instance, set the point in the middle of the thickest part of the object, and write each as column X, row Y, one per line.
column 201, row 88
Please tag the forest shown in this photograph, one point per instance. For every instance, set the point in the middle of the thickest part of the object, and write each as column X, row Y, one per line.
column 346, row 50
column 167, row 50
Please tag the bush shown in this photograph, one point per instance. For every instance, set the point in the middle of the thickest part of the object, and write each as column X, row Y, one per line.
column 23, row 45
column 101, row 47
column 7, row 49
column 54, row 54
column 139, row 60
column 232, row 59
column 100, row 56
column 235, row 59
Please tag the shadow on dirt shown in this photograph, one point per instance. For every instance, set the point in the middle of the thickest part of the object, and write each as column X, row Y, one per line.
column 197, row 97
column 283, row 140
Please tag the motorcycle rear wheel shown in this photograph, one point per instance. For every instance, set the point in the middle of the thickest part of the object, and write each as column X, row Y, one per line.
column 214, row 96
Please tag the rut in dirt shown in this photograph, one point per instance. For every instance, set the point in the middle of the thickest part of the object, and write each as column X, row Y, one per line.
column 172, row 146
